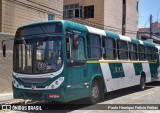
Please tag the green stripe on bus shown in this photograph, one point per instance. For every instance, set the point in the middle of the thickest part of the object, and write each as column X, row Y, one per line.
column 138, row 68
column 153, row 69
column 148, row 44
column 116, row 70
column 112, row 35
column 134, row 40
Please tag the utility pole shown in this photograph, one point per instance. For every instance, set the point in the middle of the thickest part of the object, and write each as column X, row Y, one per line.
column 151, row 26
column 124, row 18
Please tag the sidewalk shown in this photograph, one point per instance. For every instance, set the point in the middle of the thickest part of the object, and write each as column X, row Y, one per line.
column 6, row 96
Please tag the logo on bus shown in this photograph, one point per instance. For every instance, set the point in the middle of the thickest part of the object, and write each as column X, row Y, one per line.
column 118, row 69
column 33, row 87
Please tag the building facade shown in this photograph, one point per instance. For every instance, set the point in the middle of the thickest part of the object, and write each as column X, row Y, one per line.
column 119, row 16
column 15, row 13
column 154, row 37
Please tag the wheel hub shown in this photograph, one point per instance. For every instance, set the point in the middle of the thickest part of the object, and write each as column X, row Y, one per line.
column 95, row 92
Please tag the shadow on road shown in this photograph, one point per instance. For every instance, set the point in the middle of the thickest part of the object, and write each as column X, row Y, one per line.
column 81, row 104
column 154, row 84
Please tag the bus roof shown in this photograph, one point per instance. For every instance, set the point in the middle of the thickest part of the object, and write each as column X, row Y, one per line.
column 89, row 29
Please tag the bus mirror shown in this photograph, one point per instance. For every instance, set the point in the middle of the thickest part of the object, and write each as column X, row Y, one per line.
column 4, row 50
column 75, row 42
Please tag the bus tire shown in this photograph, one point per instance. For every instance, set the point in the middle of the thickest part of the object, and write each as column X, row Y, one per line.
column 142, row 83
column 95, row 92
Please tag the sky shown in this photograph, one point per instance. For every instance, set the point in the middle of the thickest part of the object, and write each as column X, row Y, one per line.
column 147, row 7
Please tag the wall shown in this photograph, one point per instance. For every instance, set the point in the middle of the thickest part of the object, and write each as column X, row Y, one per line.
column 113, row 15
column 6, row 65
column 131, row 17
column 17, row 13
column 0, row 15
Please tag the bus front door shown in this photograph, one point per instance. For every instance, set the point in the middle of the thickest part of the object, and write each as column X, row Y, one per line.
column 76, row 69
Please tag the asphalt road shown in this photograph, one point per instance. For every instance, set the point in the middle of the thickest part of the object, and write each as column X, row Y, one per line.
column 124, row 96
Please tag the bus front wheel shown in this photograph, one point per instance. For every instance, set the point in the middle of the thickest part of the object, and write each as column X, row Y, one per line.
column 95, row 93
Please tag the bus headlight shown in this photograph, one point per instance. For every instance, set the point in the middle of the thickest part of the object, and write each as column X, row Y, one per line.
column 16, row 84
column 56, row 83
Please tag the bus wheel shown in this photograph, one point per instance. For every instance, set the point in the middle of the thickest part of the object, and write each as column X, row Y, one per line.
column 95, row 92
column 142, row 83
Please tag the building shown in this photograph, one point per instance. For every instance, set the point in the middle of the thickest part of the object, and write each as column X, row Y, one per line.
column 112, row 15
column 144, row 33
column 15, row 13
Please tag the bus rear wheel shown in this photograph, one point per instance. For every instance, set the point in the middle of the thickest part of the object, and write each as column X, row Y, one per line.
column 142, row 83
column 95, row 93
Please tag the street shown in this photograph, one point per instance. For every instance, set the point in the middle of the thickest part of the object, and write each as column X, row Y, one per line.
column 124, row 96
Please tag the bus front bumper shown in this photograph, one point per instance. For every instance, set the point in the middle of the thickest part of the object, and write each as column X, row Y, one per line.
column 47, row 95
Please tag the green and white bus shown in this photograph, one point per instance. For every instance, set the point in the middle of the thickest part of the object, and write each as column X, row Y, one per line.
column 65, row 61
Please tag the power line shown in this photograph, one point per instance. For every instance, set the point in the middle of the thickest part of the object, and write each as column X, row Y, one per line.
column 146, row 22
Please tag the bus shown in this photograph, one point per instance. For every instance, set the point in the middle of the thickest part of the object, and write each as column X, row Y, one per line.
column 64, row 61
column 157, row 78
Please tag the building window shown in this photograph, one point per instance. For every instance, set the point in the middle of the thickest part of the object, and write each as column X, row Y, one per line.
column 72, row 11
column 70, row 14
column 108, row 48
column 122, row 49
column 89, row 11
column 50, row 17
column 94, row 46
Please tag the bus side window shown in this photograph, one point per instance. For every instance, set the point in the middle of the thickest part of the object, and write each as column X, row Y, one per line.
column 122, row 49
column 159, row 57
column 141, row 52
column 94, row 46
column 153, row 51
column 68, row 45
column 149, row 53
column 132, row 51
column 109, row 49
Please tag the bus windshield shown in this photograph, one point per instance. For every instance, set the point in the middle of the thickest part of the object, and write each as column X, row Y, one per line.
column 37, row 54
